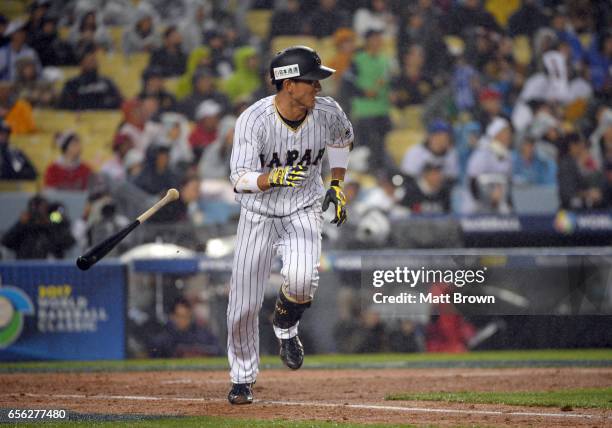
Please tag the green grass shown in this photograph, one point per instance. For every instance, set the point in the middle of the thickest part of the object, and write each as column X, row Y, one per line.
column 600, row 398
column 540, row 358
column 209, row 422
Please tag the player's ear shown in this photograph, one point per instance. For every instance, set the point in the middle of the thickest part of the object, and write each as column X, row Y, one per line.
column 287, row 85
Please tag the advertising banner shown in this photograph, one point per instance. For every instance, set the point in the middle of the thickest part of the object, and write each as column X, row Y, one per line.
column 53, row 311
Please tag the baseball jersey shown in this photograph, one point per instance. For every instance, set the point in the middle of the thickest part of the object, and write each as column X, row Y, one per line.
column 263, row 141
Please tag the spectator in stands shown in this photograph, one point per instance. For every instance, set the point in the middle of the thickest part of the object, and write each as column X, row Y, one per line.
column 553, row 83
column 14, row 165
column 88, row 29
column 531, row 168
column 214, row 163
column 133, row 163
column 184, row 209
column 172, row 12
column 32, row 87
column 545, row 130
column 204, row 88
column 14, row 50
column 207, row 126
column 527, row 19
column 235, row 34
column 288, row 21
column 377, row 16
column 489, row 171
column 182, row 337
column 17, row 113
column 437, row 149
column 42, row 231
column 115, row 168
column 342, row 90
column 141, row 36
column 466, row 141
column 170, row 58
column 421, row 26
column 197, row 21
column 601, row 138
column 579, row 89
column 174, row 133
column 345, row 44
column 326, row 19
column 221, row 56
column 465, row 81
column 429, row 193
column 138, row 124
column 199, row 59
column 68, row 172
column 154, row 85
column 51, row 49
column 489, row 106
column 246, row 79
column 370, row 74
column 581, row 182
column 157, row 176
column 544, row 40
column 36, row 13
column 600, row 62
column 412, row 86
column 524, row 112
column 481, row 47
column 468, row 14
column 89, row 90
column 564, row 27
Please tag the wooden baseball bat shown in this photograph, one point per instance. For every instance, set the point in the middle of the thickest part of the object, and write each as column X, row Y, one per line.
column 95, row 254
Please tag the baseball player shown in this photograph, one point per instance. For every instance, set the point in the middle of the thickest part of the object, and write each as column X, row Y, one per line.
column 279, row 143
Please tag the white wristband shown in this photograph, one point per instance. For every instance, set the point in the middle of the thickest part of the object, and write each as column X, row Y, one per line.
column 338, row 156
column 247, row 183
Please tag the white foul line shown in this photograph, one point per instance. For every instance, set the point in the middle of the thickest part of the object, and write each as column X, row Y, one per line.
column 430, row 410
column 319, row 404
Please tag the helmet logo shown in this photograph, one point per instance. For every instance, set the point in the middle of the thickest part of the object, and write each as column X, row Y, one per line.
column 286, row 71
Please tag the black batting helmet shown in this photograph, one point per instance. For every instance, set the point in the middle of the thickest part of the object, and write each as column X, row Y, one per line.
column 299, row 62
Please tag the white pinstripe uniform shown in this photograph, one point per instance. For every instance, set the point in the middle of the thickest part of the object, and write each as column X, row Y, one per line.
column 282, row 220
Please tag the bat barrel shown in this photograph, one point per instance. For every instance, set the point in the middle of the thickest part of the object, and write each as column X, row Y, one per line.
column 92, row 256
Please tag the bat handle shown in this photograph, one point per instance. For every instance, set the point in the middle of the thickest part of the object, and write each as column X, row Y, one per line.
column 171, row 195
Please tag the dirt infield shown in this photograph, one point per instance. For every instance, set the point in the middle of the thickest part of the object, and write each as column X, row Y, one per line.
column 331, row 395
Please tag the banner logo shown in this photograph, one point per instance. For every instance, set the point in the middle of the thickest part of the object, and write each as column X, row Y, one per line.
column 14, row 305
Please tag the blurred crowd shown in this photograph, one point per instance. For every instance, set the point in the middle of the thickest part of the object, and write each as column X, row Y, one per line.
column 511, row 93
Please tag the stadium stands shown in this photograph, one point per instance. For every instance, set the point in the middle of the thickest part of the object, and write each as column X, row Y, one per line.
column 448, row 88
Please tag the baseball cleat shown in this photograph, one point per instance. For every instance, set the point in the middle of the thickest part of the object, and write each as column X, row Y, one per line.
column 292, row 352
column 241, row 393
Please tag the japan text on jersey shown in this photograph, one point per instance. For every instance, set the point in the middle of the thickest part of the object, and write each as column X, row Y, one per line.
column 263, row 141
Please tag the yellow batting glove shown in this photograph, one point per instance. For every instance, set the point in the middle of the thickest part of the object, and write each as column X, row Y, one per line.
column 287, row 176
column 335, row 196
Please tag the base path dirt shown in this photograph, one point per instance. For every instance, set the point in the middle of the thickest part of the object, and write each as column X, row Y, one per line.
column 328, row 395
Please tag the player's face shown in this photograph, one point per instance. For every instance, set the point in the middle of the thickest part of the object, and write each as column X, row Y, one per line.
column 305, row 91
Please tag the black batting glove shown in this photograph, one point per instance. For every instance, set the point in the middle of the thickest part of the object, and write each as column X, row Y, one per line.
column 335, row 196
column 287, row 176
